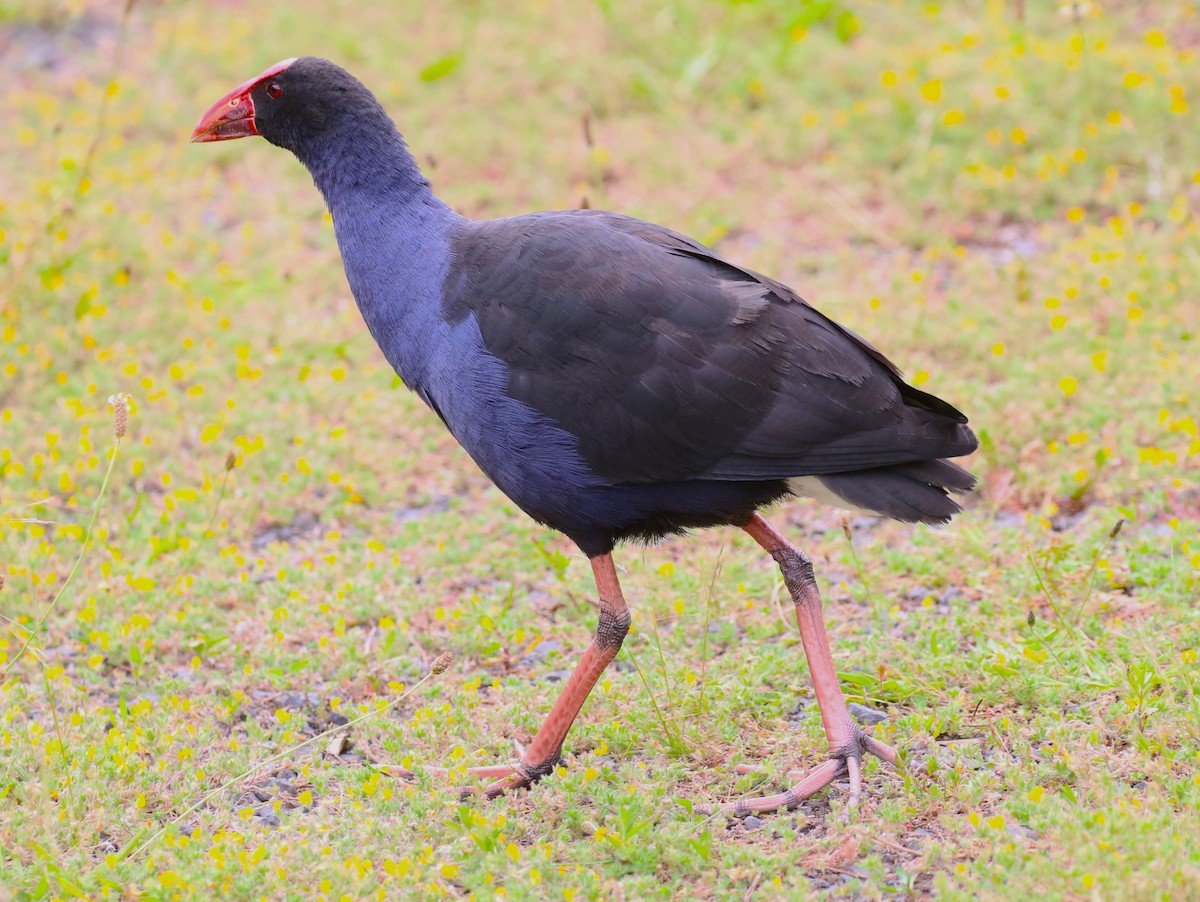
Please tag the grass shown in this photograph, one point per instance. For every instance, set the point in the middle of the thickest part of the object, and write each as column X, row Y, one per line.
column 1002, row 196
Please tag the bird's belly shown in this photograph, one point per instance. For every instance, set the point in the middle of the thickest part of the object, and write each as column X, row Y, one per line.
column 538, row 464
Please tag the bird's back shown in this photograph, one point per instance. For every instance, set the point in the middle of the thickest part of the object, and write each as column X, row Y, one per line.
column 667, row 362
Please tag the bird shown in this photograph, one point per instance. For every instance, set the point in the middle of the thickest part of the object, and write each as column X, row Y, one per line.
column 617, row 380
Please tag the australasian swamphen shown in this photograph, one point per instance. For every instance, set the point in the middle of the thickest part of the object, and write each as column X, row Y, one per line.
column 615, row 379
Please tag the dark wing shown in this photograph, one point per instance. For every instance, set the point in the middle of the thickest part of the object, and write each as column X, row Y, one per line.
column 668, row 363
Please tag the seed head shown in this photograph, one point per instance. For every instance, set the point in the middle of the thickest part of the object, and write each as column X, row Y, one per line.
column 441, row 662
column 120, row 406
column 230, row 461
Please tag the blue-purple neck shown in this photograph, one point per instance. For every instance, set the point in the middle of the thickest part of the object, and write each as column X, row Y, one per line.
column 394, row 235
column 363, row 155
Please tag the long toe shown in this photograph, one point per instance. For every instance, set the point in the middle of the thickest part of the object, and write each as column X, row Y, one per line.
column 489, row 772
column 793, row 775
column 809, row 784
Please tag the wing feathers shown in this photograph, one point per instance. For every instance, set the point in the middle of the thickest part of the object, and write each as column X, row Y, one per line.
column 668, row 363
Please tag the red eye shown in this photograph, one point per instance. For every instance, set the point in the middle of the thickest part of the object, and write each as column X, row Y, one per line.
column 274, row 89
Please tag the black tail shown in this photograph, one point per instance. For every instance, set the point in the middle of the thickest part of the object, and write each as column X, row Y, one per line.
column 913, row 493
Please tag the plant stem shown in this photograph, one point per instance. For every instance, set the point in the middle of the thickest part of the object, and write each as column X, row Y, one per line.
column 87, row 539
column 217, row 505
column 137, row 842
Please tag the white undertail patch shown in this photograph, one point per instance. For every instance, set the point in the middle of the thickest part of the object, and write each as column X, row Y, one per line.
column 812, row 487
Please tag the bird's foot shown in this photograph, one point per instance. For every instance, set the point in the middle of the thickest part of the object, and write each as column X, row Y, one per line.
column 506, row 777
column 845, row 760
column 491, row 771
column 522, row 776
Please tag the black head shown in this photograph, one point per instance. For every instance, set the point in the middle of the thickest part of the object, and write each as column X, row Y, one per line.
column 291, row 104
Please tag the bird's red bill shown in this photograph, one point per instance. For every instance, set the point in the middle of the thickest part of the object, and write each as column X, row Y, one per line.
column 233, row 115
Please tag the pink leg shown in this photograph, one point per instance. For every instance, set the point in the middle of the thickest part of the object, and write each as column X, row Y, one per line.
column 847, row 742
column 543, row 752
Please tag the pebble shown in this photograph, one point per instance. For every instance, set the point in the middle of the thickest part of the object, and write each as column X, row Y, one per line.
column 752, row 823
column 797, row 713
column 539, row 653
column 866, row 716
column 294, row 701
column 1020, row 831
column 951, row 593
column 267, row 817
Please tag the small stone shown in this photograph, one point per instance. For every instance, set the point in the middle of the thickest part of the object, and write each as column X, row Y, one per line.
column 420, row 511
column 949, row 594
column 1021, row 832
column 295, row 701
column 267, row 817
column 1009, row 519
column 262, row 795
column 540, row 651
column 556, row 676
column 753, row 823
column 107, row 846
column 868, row 717
column 797, row 713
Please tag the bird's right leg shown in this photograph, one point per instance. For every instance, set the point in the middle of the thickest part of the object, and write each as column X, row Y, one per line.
column 542, row 754
column 848, row 744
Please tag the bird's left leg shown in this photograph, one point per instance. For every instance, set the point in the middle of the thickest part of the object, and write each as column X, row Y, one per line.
column 543, row 752
column 847, row 742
